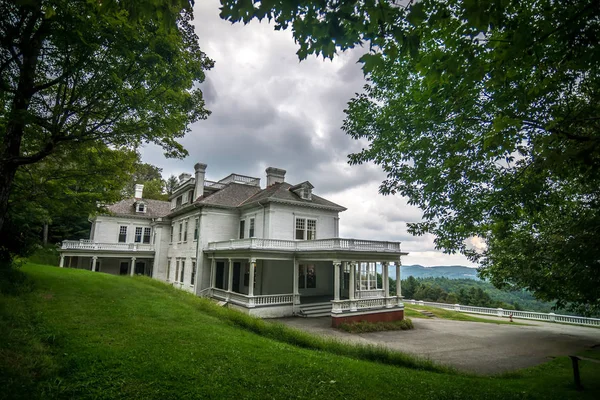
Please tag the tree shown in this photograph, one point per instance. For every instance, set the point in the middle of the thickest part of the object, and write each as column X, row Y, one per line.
column 171, row 184
column 61, row 192
column 151, row 177
column 118, row 73
column 486, row 115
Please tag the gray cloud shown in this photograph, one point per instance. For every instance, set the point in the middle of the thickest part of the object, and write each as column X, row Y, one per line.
column 268, row 109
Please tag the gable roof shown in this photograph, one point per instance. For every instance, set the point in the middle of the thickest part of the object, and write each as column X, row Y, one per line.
column 281, row 193
column 154, row 208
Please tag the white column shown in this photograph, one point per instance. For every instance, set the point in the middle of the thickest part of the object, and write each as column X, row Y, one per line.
column 352, row 287
column 132, row 266
column 398, row 288
column 336, row 280
column 295, row 283
column 61, row 263
column 251, row 280
column 94, row 259
column 213, row 272
column 385, row 275
column 352, row 283
column 230, row 276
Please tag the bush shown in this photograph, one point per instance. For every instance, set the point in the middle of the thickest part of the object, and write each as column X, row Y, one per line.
column 364, row 326
column 45, row 255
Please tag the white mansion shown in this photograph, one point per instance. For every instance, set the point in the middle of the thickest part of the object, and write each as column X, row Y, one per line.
column 270, row 252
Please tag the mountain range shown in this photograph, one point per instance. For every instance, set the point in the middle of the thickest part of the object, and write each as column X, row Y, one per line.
column 451, row 272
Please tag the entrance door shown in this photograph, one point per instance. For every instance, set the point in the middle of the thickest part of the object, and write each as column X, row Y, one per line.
column 236, row 277
column 139, row 267
column 220, row 274
column 124, row 266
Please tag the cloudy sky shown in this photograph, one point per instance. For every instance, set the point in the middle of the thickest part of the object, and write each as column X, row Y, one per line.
column 268, row 109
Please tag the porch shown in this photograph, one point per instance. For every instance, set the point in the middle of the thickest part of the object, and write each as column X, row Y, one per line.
column 112, row 258
column 275, row 278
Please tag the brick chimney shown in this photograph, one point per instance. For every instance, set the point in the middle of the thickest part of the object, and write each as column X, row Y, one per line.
column 139, row 191
column 275, row 175
column 200, row 172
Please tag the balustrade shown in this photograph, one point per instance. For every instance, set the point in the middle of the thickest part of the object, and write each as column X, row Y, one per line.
column 306, row 245
column 90, row 245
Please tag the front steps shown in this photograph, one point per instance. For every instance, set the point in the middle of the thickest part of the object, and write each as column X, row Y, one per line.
column 315, row 310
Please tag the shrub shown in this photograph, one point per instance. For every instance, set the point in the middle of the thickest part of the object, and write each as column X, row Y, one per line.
column 364, row 326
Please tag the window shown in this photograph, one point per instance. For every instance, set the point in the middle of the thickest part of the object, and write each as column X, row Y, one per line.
column 180, row 230
column 141, row 207
column 176, row 270
column 185, row 231
column 138, row 234
column 242, row 228
column 191, row 196
column 122, row 234
column 196, row 227
column 147, row 235
column 172, row 230
column 182, row 271
column 367, row 278
column 251, row 228
column 307, row 277
column 306, row 229
column 168, row 269
column 193, row 278
column 300, row 228
column 179, row 201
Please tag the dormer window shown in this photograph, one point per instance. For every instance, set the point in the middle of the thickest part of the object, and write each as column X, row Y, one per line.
column 303, row 190
column 140, row 207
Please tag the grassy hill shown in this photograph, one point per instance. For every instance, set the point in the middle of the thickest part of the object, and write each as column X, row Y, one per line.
column 79, row 334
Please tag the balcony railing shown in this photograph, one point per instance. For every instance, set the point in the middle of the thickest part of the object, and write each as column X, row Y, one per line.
column 252, row 301
column 94, row 246
column 340, row 306
column 306, row 245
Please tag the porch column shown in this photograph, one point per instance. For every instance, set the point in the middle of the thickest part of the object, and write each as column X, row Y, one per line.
column 295, row 286
column 386, row 280
column 61, row 263
column 336, row 280
column 352, row 287
column 398, row 288
column 251, row 280
column 132, row 266
column 230, row 276
column 213, row 272
column 94, row 259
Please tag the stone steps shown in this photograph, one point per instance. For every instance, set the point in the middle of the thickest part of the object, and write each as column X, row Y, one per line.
column 315, row 310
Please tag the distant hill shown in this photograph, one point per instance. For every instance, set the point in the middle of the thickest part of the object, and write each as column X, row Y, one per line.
column 451, row 272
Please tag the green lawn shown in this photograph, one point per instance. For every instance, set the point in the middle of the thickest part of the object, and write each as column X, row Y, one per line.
column 412, row 311
column 82, row 335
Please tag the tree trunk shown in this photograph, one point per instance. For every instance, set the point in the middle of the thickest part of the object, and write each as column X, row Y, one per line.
column 45, row 234
column 7, row 176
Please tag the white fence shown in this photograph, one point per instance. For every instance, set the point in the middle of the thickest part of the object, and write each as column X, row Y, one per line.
column 500, row 312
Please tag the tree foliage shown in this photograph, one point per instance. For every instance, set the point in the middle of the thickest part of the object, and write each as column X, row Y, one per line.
column 151, row 177
column 485, row 114
column 118, row 73
column 62, row 191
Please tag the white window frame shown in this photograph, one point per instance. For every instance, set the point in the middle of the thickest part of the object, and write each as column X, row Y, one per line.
column 304, row 228
column 180, row 231
column 251, row 228
column 193, row 277
column 137, row 237
column 182, row 271
column 122, row 231
column 185, row 230
column 168, row 269
column 149, row 231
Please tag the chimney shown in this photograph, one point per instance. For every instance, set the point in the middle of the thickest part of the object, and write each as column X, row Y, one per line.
column 184, row 176
column 200, row 172
column 275, row 175
column 139, row 190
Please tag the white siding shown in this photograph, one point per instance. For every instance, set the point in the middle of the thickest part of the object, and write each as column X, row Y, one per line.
column 282, row 221
column 106, row 228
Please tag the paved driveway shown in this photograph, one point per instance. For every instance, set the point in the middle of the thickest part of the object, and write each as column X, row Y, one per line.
column 471, row 346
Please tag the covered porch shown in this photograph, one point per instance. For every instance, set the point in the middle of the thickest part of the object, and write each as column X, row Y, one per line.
column 110, row 259
column 269, row 279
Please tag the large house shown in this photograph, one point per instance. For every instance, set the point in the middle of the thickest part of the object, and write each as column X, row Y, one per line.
column 271, row 252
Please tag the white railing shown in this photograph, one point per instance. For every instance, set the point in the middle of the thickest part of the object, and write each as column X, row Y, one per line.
column 247, row 180
column 251, row 301
column 271, row 299
column 306, row 245
column 367, row 294
column 500, row 312
column 338, row 306
column 90, row 245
